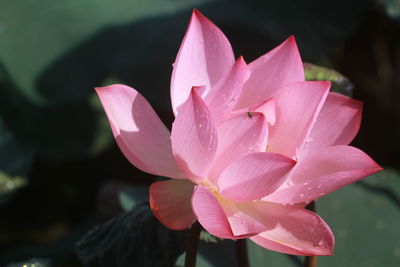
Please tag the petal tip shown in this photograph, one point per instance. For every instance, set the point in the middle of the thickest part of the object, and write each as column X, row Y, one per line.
column 376, row 169
column 291, row 39
column 97, row 89
column 100, row 89
column 197, row 91
column 196, row 12
column 197, row 15
column 241, row 60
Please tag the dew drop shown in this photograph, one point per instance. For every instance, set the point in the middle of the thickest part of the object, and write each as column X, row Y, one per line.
column 309, row 140
column 322, row 243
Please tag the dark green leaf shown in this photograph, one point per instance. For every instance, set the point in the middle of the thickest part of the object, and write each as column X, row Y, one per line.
column 131, row 196
column 339, row 83
column 54, row 131
column 135, row 238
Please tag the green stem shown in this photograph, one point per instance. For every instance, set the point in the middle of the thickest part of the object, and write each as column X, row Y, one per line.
column 311, row 261
column 192, row 242
column 241, row 253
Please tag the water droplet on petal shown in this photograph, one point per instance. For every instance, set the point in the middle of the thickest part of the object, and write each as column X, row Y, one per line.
column 309, row 140
column 322, row 243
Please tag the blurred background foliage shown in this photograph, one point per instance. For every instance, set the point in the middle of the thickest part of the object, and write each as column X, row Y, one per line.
column 61, row 172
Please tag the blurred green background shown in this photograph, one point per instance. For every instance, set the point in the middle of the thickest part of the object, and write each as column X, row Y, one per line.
column 61, row 172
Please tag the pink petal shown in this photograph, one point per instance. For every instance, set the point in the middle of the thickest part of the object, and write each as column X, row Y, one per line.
column 322, row 172
column 238, row 136
column 204, row 58
column 254, row 176
column 170, row 202
column 337, row 123
column 268, row 109
column 220, row 217
column 225, row 93
column 210, row 214
column 272, row 71
column 297, row 107
column 140, row 134
column 194, row 138
column 292, row 230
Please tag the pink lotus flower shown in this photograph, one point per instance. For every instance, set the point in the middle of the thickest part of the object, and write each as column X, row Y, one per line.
column 249, row 147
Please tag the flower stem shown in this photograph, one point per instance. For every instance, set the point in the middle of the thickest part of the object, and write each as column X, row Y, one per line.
column 192, row 242
column 311, row 261
column 241, row 253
